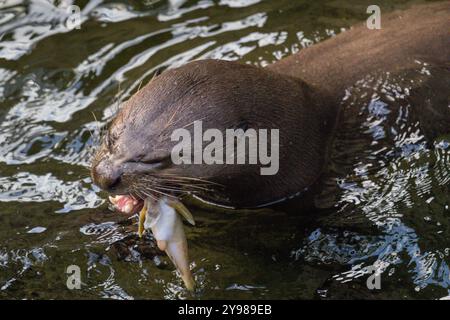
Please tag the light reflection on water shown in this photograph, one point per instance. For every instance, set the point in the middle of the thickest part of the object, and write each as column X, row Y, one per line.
column 388, row 183
column 399, row 183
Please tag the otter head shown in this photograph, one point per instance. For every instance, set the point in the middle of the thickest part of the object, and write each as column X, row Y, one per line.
column 135, row 156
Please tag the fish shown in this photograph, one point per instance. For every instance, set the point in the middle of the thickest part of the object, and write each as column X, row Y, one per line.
column 163, row 218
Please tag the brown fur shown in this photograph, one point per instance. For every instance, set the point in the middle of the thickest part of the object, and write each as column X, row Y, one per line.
column 420, row 33
column 299, row 95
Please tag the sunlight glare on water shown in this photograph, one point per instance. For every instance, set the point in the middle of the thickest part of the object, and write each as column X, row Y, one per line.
column 389, row 183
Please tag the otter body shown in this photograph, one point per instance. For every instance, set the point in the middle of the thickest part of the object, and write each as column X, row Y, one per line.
column 301, row 96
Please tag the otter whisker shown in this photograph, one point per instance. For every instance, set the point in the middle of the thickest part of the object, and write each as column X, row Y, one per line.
column 146, row 194
column 195, row 187
column 116, row 105
column 160, row 192
column 140, row 84
column 176, row 177
column 170, row 122
column 96, row 121
column 164, row 193
column 189, row 188
column 169, row 189
column 135, row 192
column 177, row 180
column 191, row 123
column 91, row 134
column 177, row 184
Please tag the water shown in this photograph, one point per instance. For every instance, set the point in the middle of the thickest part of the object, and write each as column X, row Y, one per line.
column 385, row 198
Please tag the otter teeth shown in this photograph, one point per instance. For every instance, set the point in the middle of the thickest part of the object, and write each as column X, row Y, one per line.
column 113, row 200
column 128, row 208
column 124, row 203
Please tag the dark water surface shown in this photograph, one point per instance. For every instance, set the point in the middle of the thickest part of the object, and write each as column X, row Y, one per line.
column 387, row 186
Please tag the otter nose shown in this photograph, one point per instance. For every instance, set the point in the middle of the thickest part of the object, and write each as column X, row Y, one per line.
column 105, row 176
column 111, row 184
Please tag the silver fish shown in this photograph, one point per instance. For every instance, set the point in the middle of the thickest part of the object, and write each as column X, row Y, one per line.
column 163, row 218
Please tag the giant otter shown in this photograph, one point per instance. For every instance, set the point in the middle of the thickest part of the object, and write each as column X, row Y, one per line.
column 299, row 95
column 309, row 98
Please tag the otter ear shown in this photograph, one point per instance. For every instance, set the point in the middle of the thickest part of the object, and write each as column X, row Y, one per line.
column 182, row 210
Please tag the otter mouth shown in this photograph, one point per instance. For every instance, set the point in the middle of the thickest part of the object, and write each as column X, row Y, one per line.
column 127, row 204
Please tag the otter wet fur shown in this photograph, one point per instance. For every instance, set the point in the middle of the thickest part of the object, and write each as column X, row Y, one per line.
column 299, row 95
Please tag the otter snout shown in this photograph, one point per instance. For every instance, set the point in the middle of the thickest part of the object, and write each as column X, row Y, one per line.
column 105, row 175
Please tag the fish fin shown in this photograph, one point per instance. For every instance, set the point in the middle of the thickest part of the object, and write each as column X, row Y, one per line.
column 142, row 215
column 182, row 210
